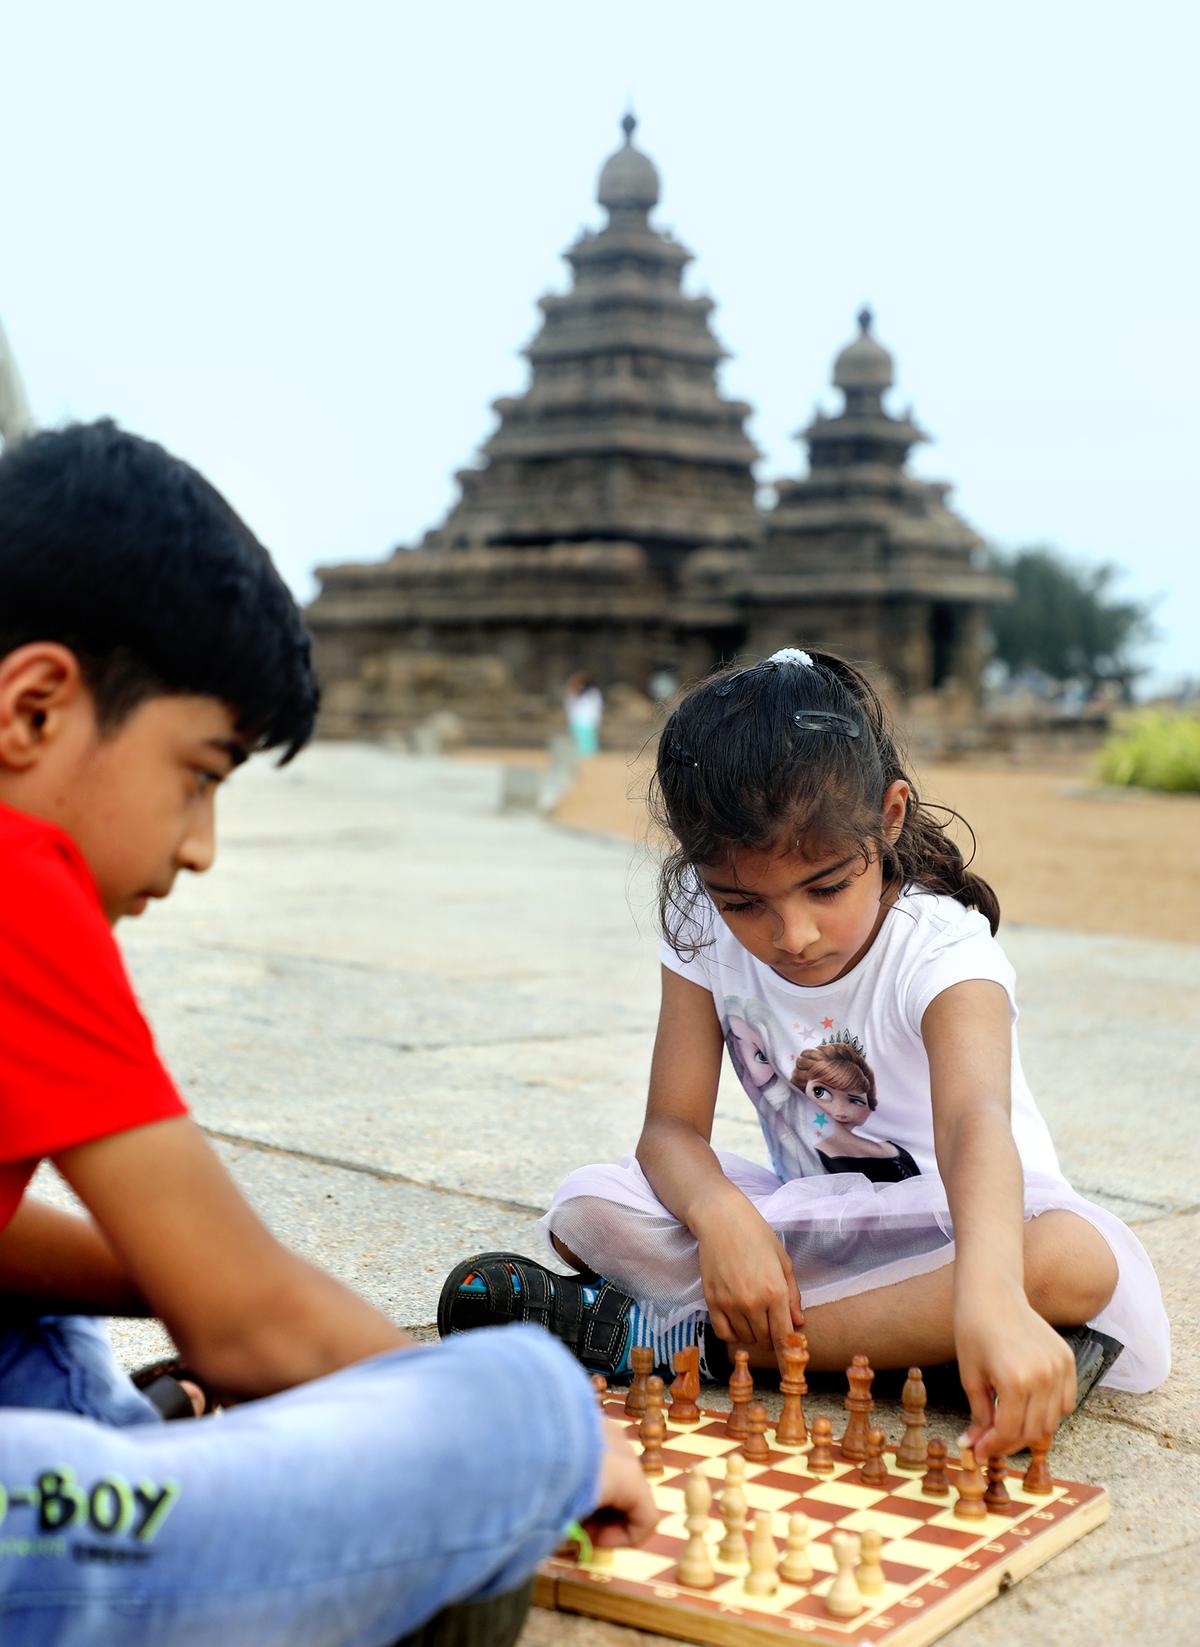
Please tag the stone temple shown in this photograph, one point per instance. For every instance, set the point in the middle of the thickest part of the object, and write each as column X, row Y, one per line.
column 614, row 525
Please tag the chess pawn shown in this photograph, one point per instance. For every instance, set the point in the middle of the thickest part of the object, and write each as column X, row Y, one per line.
column 1037, row 1478
column 869, row 1575
column 874, row 1472
column 686, row 1387
column 762, row 1579
column 936, row 1482
column 600, row 1385
column 652, row 1433
column 969, row 1505
column 741, row 1393
column 755, row 1445
column 796, row 1565
column 997, row 1495
column 791, row 1432
column 859, row 1404
column 842, row 1599
column 732, row 1547
column 695, row 1568
column 641, row 1359
column 911, row 1454
column 820, row 1458
column 656, row 1398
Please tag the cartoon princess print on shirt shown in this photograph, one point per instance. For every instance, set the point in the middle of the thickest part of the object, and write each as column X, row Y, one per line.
column 810, row 1122
column 838, row 1085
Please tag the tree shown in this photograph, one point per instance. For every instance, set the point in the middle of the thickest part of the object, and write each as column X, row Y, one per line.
column 1065, row 622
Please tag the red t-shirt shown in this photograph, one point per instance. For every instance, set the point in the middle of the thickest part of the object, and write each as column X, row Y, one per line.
column 77, row 1061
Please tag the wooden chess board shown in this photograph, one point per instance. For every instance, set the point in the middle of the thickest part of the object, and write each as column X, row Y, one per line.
column 938, row 1569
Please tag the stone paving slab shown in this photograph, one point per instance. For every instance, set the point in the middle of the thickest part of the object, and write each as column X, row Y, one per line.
column 404, row 1017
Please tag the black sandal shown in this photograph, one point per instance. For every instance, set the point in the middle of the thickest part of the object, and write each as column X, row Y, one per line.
column 160, row 1384
column 494, row 1289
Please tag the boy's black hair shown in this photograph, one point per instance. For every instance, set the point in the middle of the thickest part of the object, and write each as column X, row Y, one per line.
column 113, row 547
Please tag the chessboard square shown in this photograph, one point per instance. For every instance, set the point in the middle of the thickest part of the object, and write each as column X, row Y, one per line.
column 890, row 1526
column 759, row 1497
column 927, row 1557
column 988, row 1526
column 648, row 1566
column 953, row 1538
column 902, row 1575
column 816, row 1509
column 705, row 1442
column 897, row 1504
column 789, row 1481
column 846, row 1493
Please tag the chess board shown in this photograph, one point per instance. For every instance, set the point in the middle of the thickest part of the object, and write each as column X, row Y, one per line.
column 938, row 1568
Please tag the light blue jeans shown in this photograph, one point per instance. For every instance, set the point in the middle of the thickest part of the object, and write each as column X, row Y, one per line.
column 340, row 1514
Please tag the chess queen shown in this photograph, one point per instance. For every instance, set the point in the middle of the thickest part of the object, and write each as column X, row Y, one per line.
column 811, row 901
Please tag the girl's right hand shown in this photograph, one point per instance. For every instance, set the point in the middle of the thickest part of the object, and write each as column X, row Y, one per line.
column 749, row 1284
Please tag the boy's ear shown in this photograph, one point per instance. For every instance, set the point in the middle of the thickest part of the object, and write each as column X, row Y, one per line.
column 39, row 684
column 895, row 809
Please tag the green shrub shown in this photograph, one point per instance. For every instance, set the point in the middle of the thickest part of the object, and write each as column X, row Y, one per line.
column 1154, row 750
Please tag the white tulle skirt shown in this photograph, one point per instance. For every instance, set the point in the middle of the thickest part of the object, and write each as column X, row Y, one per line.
column 845, row 1235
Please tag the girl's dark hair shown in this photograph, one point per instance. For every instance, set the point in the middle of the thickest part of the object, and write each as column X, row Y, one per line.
column 113, row 547
column 791, row 754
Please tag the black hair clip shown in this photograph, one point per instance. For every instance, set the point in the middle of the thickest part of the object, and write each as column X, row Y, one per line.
column 681, row 756
column 826, row 720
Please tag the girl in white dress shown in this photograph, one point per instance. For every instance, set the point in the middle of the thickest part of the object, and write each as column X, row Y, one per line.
column 821, row 926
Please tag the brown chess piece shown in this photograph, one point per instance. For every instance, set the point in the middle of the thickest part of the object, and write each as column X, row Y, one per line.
column 600, row 1385
column 936, row 1482
column 969, row 1505
column 792, row 1432
column 997, row 1495
column 874, row 1472
column 641, row 1359
column 755, row 1445
column 656, row 1396
column 860, row 1405
column 1037, row 1478
column 820, row 1459
column 911, row 1454
column 686, row 1387
column 652, row 1433
column 741, row 1393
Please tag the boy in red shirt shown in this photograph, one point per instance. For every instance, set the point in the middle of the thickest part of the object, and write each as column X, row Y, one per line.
column 147, row 648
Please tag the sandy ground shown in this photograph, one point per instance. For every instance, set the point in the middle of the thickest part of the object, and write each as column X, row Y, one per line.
column 1060, row 851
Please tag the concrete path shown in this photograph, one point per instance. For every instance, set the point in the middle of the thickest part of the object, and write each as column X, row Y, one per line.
column 404, row 1017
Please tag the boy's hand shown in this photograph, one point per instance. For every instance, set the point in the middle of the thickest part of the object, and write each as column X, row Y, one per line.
column 749, row 1284
column 625, row 1512
column 1018, row 1374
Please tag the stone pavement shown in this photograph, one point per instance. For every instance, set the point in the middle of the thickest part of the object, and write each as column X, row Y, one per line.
column 403, row 1017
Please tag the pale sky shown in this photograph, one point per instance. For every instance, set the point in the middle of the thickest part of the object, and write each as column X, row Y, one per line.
column 302, row 245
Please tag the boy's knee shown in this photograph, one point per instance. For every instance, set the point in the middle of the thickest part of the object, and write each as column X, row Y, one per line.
column 1070, row 1271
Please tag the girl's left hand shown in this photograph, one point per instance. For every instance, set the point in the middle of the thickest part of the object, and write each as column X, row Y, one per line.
column 1018, row 1374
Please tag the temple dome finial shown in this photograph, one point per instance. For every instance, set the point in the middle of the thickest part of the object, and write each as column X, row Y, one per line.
column 865, row 363
column 628, row 178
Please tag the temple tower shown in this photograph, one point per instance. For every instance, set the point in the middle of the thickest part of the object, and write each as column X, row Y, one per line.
column 622, row 434
column 569, row 546
column 866, row 558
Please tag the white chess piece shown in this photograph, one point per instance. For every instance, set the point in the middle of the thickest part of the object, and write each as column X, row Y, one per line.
column 796, row 1565
column 695, row 1568
column 732, row 1547
column 843, row 1599
column 870, row 1575
column 762, row 1579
